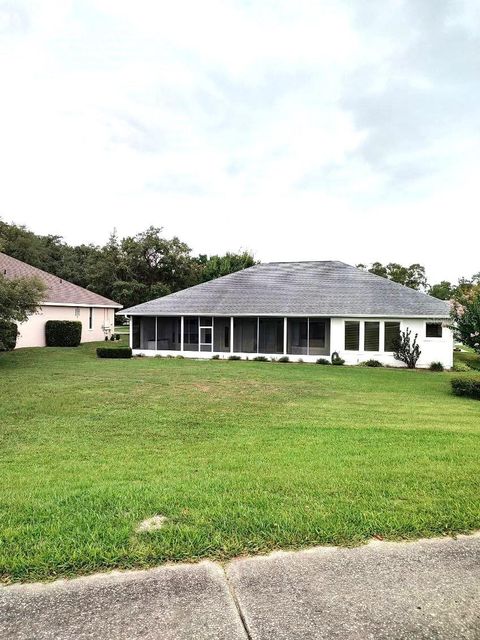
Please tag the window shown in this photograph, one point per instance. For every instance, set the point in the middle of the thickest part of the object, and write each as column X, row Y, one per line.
column 190, row 334
column 372, row 336
column 352, row 335
column 392, row 334
column 90, row 318
column 434, row 330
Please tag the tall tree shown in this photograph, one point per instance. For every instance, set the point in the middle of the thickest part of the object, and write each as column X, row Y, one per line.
column 443, row 290
column 466, row 325
column 412, row 276
column 217, row 266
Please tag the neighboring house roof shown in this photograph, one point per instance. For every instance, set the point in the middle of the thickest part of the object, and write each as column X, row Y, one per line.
column 297, row 288
column 59, row 291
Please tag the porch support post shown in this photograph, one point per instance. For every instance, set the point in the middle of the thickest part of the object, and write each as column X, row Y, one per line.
column 156, row 333
column 181, row 333
column 285, row 336
column 231, row 334
column 130, row 337
column 381, row 337
column 258, row 334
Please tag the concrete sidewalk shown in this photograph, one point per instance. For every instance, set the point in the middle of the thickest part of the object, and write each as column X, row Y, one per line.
column 428, row 589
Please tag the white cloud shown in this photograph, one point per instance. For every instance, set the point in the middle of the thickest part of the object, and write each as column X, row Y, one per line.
column 296, row 129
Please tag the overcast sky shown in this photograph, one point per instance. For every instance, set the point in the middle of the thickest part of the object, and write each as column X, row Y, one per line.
column 297, row 129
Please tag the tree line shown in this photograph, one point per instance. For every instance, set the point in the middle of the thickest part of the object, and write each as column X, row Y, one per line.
column 129, row 270
column 413, row 276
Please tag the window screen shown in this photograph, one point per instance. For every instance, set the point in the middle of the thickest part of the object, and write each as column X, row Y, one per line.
column 297, row 336
column 270, row 337
column 434, row 330
column 245, row 335
column 392, row 334
column 221, row 334
column 372, row 336
column 190, row 334
column 352, row 335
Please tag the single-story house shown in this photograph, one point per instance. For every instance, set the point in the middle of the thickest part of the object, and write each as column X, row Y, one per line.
column 305, row 310
column 63, row 301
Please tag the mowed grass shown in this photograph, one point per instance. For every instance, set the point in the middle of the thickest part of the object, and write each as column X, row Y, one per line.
column 241, row 457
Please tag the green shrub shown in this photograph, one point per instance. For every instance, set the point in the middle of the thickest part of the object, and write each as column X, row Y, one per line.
column 117, row 336
column 468, row 387
column 284, row 359
column 461, row 367
column 216, row 357
column 323, row 361
column 336, row 359
column 8, row 335
column 372, row 363
column 436, row 366
column 114, row 352
column 261, row 359
column 234, row 357
column 63, row 333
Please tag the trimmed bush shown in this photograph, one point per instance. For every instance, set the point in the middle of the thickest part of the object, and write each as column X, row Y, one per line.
column 372, row 363
column 461, row 367
column 468, row 387
column 114, row 352
column 436, row 366
column 216, row 357
column 261, row 359
column 337, row 360
column 284, row 359
column 323, row 361
column 8, row 335
column 63, row 333
column 234, row 357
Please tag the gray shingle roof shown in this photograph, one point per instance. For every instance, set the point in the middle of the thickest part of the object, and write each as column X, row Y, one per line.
column 59, row 291
column 297, row 288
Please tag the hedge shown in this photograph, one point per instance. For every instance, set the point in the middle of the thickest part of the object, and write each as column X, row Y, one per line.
column 114, row 352
column 468, row 387
column 8, row 335
column 63, row 333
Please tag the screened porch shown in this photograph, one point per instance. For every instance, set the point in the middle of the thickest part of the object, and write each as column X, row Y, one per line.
column 239, row 335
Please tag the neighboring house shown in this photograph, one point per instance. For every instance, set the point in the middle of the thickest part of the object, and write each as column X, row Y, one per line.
column 305, row 310
column 63, row 301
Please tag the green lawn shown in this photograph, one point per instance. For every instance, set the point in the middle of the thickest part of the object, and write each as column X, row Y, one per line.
column 469, row 358
column 241, row 457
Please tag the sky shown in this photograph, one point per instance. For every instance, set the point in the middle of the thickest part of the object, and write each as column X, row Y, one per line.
column 298, row 130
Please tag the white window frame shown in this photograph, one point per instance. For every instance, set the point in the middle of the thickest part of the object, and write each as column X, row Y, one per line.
column 205, row 344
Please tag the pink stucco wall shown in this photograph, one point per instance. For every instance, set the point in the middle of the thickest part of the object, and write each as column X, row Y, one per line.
column 32, row 332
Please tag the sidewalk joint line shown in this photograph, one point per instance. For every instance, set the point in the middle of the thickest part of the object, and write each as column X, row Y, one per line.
column 233, row 594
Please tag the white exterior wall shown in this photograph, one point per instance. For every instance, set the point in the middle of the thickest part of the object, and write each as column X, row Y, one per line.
column 32, row 332
column 432, row 349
